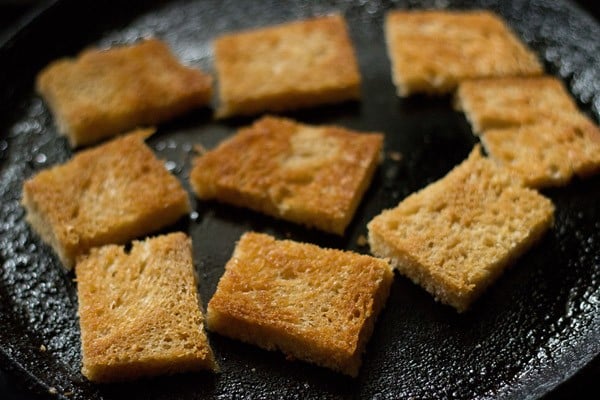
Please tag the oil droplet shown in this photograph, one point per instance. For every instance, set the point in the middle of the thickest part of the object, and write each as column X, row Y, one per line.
column 40, row 158
column 372, row 8
column 170, row 166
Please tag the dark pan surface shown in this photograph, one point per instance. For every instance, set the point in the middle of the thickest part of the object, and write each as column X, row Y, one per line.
column 534, row 328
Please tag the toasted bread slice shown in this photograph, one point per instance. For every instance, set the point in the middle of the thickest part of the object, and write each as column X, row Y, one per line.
column 317, row 305
column 139, row 311
column 288, row 66
column 108, row 194
column 433, row 51
column 547, row 153
column 103, row 93
column 311, row 175
column 457, row 235
column 507, row 102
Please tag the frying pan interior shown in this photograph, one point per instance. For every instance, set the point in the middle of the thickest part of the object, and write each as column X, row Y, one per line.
column 531, row 330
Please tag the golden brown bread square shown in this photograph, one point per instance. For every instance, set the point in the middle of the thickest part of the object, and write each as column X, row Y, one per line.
column 313, row 304
column 433, row 51
column 506, row 102
column 139, row 311
column 103, row 93
column 457, row 235
column 311, row 175
column 288, row 66
column 547, row 153
column 112, row 193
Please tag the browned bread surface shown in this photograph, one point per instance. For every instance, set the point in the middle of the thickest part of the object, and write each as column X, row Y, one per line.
column 312, row 175
column 288, row 66
column 547, row 153
column 506, row 102
column 103, row 93
column 433, row 51
column 317, row 305
column 108, row 194
column 139, row 311
column 457, row 235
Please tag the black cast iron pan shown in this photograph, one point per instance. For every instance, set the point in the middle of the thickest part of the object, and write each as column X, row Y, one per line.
column 533, row 329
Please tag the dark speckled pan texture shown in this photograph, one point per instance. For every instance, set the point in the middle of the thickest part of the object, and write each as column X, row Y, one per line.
column 533, row 329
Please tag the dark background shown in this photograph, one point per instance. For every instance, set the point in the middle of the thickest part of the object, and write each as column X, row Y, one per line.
column 12, row 388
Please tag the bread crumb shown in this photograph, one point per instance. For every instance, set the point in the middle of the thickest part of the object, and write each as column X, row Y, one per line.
column 395, row 155
column 362, row 240
column 52, row 390
column 43, row 348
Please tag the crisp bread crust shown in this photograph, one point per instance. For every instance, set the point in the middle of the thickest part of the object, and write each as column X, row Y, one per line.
column 103, row 93
column 457, row 235
column 317, row 305
column 139, row 311
column 108, row 194
column 508, row 102
column 547, row 153
column 312, row 175
column 288, row 66
column 433, row 51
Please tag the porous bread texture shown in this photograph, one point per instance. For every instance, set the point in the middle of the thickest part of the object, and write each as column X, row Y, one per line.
column 313, row 304
column 311, row 175
column 547, row 153
column 112, row 193
column 139, row 311
column 508, row 102
column 103, row 93
column 433, row 51
column 457, row 235
column 288, row 66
